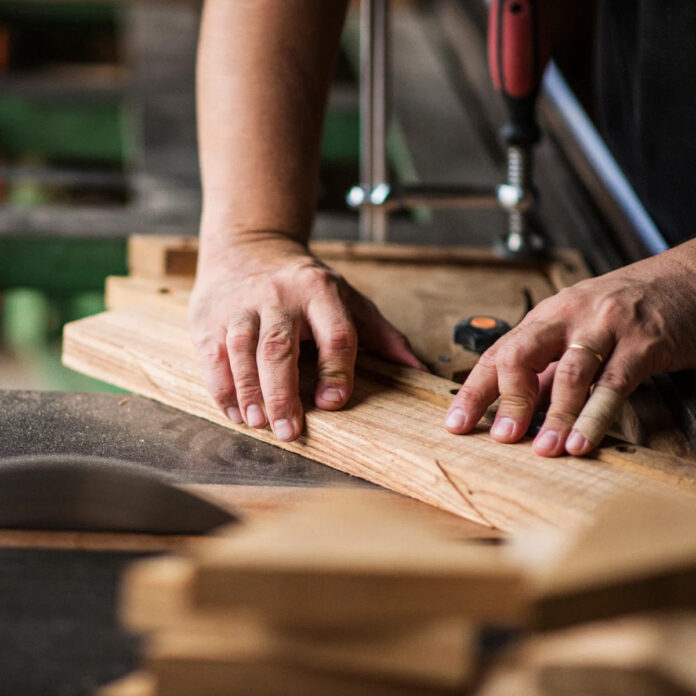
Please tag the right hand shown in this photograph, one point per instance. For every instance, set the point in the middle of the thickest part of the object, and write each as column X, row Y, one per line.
column 255, row 298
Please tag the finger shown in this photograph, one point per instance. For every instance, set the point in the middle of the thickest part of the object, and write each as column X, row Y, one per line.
column 379, row 337
column 619, row 378
column 477, row 393
column 242, row 339
column 276, row 356
column 218, row 377
column 337, row 343
column 575, row 373
column 527, row 352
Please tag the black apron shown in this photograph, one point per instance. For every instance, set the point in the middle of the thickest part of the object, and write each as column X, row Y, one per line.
column 646, row 81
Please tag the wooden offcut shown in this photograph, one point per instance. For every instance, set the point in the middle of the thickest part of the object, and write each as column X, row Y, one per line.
column 638, row 555
column 339, row 595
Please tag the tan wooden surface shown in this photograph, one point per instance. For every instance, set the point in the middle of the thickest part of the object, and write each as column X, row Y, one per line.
column 424, row 291
column 385, row 435
column 639, row 555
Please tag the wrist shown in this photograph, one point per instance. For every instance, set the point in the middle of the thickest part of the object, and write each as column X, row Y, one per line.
column 247, row 251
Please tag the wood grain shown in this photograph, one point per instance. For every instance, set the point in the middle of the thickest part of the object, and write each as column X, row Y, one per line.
column 386, row 434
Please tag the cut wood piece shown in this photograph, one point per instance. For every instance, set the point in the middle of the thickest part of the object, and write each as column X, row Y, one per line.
column 432, row 656
column 183, row 665
column 385, row 435
column 438, row 654
column 639, row 554
column 259, row 501
column 337, row 563
column 156, row 594
column 124, row 291
column 160, row 255
column 135, row 684
column 646, row 655
column 156, row 599
column 157, row 256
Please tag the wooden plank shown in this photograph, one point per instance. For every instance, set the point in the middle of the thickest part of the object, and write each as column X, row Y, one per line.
column 338, row 562
column 157, row 599
column 159, row 255
column 156, row 256
column 386, row 435
column 649, row 654
column 265, row 502
column 438, row 286
column 123, row 291
column 385, row 664
column 639, row 555
column 190, row 666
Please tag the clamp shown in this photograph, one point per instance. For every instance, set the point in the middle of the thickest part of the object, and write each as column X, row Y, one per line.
column 518, row 52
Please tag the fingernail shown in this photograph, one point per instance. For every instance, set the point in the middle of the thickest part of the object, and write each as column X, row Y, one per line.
column 503, row 427
column 547, row 440
column 578, row 443
column 255, row 417
column 283, row 429
column 335, row 396
column 456, row 419
column 233, row 414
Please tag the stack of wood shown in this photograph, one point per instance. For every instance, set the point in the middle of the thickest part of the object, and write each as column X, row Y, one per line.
column 345, row 597
column 334, row 597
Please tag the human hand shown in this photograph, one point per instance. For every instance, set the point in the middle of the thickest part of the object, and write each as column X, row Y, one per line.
column 639, row 320
column 254, row 300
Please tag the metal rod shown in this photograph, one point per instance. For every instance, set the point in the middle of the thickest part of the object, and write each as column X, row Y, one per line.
column 374, row 19
column 595, row 152
column 442, row 197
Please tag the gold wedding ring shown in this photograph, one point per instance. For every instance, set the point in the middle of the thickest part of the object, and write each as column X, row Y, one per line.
column 589, row 350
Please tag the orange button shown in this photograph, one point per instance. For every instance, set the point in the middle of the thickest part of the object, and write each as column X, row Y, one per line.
column 483, row 322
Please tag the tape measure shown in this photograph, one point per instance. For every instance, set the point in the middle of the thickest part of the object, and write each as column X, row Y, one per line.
column 480, row 332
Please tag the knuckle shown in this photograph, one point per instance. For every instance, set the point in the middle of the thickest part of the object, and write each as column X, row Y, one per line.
column 320, row 279
column 277, row 345
column 511, row 358
column 241, row 339
column 516, row 404
column 246, row 384
column 334, row 375
column 279, row 401
column 611, row 306
column 274, row 293
column 487, row 361
column 558, row 417
column 469, row 394
column 211, row 350
column 221, row 393
column 615, row 379
column 342, row 340
column 572, row 374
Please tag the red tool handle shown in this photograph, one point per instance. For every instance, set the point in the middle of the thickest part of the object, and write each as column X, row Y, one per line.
column 518, row 51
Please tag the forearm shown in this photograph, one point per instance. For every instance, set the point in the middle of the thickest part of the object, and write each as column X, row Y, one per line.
column 264, row 69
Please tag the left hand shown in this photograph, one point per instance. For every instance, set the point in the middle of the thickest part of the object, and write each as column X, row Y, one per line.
column 640, row 319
